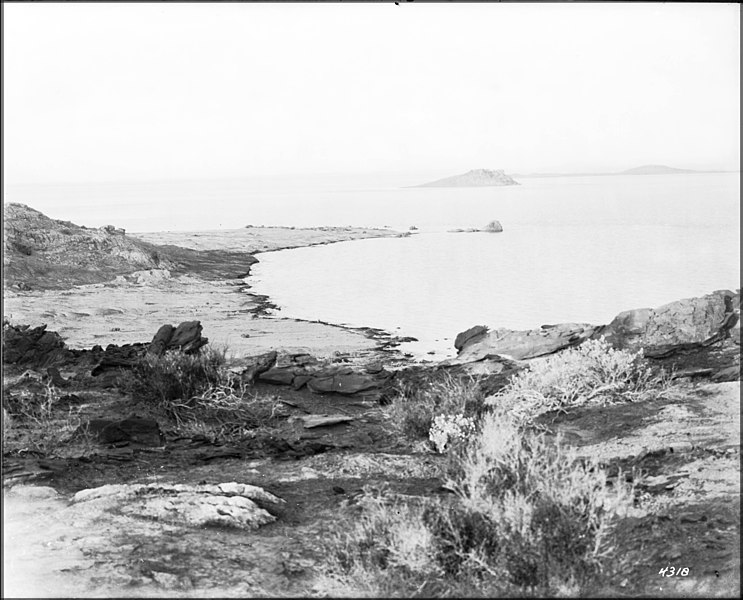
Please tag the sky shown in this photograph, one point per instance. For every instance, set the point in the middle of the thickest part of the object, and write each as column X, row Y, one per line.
column 127, row 92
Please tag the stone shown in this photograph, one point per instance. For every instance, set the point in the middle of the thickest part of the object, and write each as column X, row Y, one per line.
column 312, row 421
column 33, row 347
column 228, row 505
column 56, row 378
column 187, row 337
column 161, row 340
column 132, row 429
column 469, row 335
column 342, row 383
column 256, row 365
column 278, row 375
column 681, row 325
column 523, row 345
column 493, row 227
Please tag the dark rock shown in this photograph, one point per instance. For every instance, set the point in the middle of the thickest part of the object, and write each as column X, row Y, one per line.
column 161, row 340
column 118, row 358
column 682, row 325
column 300, row 381
column 470, row 335
column 35, row 347
column 278, row 376
column 133, row 429
column 731, row 373
column 56, row 378
column 257, row 365
column 342, row 383
column 185, row 338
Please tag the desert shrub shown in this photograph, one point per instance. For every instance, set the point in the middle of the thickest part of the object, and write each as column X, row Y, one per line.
column 527, row 517
column 593, row 372
column 32, row 421
column 415, row 406
column 448, row 430
column 201, row 395
column 177, row 376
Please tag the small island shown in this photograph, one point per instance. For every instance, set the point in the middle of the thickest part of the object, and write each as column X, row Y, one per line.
column 474, row 178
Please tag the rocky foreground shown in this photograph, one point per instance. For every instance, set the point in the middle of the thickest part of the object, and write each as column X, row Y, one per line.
column 107, row 494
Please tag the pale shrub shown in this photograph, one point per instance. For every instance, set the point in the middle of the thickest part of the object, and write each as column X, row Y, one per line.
column 449, row 429
column 550, row 511
column 415, row 407
column 527, row 518
column 593, row 372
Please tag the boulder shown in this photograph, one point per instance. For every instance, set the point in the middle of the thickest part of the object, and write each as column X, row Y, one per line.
column 493, row 227
column 161, row 340
column 227, row 505
column 522, row 345
column 256, row 365
column 186, row 338
column 33, row 347
column 469, row 335
column 681, row 325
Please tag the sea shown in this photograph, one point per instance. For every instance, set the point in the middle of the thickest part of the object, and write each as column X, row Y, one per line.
column 573, row 248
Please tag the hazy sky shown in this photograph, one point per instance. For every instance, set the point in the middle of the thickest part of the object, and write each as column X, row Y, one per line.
column 96, row 92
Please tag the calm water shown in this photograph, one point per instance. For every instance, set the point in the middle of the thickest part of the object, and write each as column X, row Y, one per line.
column 573, row 249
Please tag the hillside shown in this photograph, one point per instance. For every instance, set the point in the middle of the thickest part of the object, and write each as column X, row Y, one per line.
column 475, row 178
column 39, row 252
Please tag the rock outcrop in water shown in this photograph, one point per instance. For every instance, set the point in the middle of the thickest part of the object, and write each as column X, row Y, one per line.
column 475, row 178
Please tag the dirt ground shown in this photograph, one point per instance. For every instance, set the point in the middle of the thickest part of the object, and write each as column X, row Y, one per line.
column 687, row 447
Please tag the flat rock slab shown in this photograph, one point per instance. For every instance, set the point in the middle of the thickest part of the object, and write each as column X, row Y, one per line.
column 227, row 504
column 311, row 421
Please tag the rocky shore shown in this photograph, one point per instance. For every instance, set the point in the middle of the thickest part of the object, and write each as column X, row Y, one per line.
column 134, row 503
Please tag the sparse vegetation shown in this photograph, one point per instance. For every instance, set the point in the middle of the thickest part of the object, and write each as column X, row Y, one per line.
column 415, row 405
column 527, row 518
column 201, row 395
column 177, row 376
column 31, row 421
column 592, row 373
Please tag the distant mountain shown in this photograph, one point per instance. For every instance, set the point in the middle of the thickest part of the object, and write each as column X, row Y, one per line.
column 476, row 178
column 655, row 170
column 643, row 170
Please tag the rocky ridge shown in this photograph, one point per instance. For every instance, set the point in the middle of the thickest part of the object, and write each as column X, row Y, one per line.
column 64, row 254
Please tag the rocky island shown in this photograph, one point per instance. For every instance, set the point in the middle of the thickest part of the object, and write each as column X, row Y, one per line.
column 142, row 458
column 474, row 178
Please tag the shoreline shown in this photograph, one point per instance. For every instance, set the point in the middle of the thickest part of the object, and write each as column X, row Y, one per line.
column 131, row 308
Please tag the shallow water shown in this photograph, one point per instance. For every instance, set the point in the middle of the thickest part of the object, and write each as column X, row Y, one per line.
column 573, row 248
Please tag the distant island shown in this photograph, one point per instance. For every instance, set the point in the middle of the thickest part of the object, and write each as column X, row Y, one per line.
column 656, row 170
column 642, row 170
column 475, row 178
